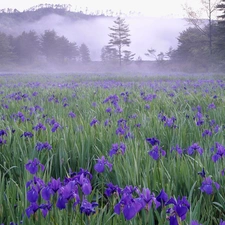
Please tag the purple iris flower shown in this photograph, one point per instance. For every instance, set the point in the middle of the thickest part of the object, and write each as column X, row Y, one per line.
column 112, row 189
column 67, row 192
column 206, row 133
column 94, row 122
column 27, row 134
column 87, row 207
column 207, row 186
column 180, row 209
column 107, row 122
column 172, row 218
column 109, row 110
column 195, row 147
column 216, row 128
column 55, row 184
column 121, row 131
column 32, row 209
column 2, row 141
column 222, row 222
column 36, row 183
column 153, row 141
column 162, row 117
column 162, row 197
column 149, row 97
column 149, row 199
column 72, row 115
column 170, row 122
column 61, row 202
column 40, row 146
column 100, row 165
column 219, row 153
column 147, row 106
column 39, row 126
column 117, row 148
column 32, row 166
column 45, row 208
column 202, row 173
column 129, row 205
column 55, row 127
column 85, row 184
column 212, row 123
column 137, row 125
column 21, row 116
column 47, row 192
column 3, row 132
column 118, row 109
column 32, row 195
column 211, row 106
column 156, row 152
column 199, row 119
column 178, row 149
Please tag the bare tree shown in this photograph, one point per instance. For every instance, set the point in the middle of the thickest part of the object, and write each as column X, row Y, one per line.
column 196, row 18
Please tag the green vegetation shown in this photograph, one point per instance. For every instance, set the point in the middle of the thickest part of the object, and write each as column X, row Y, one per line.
column 84, row 116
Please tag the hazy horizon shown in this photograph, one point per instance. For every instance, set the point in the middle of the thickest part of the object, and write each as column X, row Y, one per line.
column 146, row 32
column 152, row 8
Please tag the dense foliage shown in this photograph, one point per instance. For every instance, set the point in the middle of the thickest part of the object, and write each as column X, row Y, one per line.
column 30, row 48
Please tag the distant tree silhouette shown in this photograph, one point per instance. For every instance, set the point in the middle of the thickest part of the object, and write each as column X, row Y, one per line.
column 84, row 53
column 48, row 45
column 119, row 38
column 5, row 49
column 26, row 47
column 220, row 37
column 66, row 51
column 208, row 7
column 109, row 54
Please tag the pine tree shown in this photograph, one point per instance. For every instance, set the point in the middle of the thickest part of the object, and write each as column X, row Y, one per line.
column 6, row 53
column 119, row 38
column 220, row 40
column 84, row 53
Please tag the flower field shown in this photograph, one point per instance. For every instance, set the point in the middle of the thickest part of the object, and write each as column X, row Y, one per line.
column 112, row 149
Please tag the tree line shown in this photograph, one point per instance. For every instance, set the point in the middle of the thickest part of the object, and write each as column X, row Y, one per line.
column 29, row 48
column 201, row 46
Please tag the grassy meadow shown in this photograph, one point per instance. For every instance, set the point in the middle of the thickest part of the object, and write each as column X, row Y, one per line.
column 112, row 149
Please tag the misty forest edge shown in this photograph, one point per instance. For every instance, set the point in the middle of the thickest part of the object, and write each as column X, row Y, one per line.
column 200, row 47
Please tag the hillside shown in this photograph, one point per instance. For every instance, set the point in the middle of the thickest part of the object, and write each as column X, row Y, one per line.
column 9, row 18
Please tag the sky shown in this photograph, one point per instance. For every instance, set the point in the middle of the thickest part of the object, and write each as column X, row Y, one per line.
column 152, row 8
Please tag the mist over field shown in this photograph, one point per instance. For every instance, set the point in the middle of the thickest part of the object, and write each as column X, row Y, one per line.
column 53, row 38
column 146, row 32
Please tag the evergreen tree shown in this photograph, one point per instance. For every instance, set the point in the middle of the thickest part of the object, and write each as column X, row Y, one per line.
column 195, row 18
column 26, row 47
column 5, row 49
column 84, row 53
column 220, row 40
column 119, row 38
column 109, row 54
column 128, row 56
column 49, row 45
column 193, row 49
column 66, row 51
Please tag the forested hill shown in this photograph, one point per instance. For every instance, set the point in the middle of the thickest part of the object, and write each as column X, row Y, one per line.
column 11, row 17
